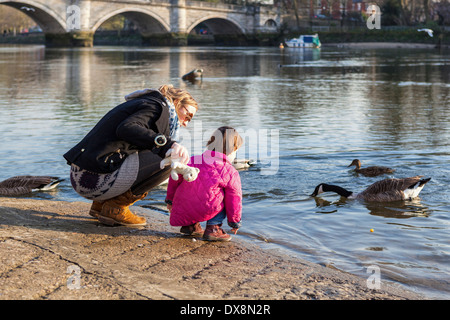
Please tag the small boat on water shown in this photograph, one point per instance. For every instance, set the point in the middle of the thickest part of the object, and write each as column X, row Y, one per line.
column 304, row 41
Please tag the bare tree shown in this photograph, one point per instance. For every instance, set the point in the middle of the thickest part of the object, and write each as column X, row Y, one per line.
column 442, row 9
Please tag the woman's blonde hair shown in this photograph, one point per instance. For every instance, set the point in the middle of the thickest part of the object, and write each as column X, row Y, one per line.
column 225, row 140
column 183, row 97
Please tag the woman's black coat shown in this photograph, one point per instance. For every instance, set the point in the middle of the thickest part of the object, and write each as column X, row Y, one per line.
column 129, row 127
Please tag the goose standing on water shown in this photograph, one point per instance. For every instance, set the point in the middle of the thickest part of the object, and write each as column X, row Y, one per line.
column 370, row 171
column 381, row 191
column 20, row 185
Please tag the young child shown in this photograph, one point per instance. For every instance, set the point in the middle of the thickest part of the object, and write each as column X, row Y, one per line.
column 216, row 194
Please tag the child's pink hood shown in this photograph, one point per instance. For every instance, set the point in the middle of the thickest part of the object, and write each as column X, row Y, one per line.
column 218, row 185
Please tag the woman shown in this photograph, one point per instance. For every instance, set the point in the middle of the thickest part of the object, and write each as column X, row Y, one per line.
column 118, row 161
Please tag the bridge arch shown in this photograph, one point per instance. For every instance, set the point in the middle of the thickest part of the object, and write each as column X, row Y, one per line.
column 222, row 31
column 47, row 19
column 146, row 21
column 218, row 25
column 270, row 23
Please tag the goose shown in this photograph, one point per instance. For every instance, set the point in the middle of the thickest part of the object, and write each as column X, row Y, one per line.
column 20, row 185
column 381, row 191
column 240, row 164
column 193, row 75
column 370, row 171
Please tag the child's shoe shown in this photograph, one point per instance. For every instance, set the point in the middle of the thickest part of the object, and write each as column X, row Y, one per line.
column 194, row 230
column 215, row 233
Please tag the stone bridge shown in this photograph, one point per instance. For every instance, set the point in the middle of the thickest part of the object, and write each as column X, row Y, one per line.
column 73, row 23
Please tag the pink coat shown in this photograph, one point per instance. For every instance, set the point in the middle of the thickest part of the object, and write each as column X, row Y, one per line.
column 217, row 186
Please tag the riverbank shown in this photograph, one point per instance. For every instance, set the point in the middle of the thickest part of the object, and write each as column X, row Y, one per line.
column 358, row 35
column 382, row 45
column 53, row 250
column 405, row 36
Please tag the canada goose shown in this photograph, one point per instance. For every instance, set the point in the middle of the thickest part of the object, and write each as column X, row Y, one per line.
column 193, row 75
column 240, row 164
column 20, row 185
column 370, row 171
column 381, row 191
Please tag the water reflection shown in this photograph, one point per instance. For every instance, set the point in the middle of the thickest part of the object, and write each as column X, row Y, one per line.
column 296, row 57
column 399, row 209
column 395, row 209
column 323, row 203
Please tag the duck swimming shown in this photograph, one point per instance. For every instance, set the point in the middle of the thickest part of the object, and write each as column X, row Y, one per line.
column 20, row 185
column 370, row 171
column 381, row 191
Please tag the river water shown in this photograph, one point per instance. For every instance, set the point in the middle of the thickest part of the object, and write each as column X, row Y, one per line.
column 305, row 115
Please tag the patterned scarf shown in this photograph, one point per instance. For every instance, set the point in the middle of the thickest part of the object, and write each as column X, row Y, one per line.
column 174, row 124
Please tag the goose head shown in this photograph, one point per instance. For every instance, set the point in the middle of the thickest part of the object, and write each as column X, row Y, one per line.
column 324, row 187
column 318, row 190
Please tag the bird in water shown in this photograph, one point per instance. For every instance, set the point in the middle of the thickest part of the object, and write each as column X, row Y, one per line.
column 20, row 185
column 193, row 75
column 240, row 164
column 370, row 171
column 381, row 191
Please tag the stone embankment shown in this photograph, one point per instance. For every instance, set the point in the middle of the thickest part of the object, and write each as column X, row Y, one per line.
column 54, row 250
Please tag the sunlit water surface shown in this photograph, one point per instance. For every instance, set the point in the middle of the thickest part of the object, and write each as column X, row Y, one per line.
column 305, row 114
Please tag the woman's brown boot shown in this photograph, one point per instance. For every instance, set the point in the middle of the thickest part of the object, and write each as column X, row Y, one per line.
column 116, row 211
column 96, row 208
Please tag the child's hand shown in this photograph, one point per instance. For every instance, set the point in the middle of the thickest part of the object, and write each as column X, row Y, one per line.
column 169, row 207
column 234, row 230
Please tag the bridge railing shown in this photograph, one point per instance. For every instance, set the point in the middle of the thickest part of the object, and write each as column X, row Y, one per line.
column 236, row 5
column 232, row 2
column 241, row 2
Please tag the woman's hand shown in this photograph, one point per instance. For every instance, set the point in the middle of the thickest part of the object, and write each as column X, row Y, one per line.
column 169, row 207
column 179, row 153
